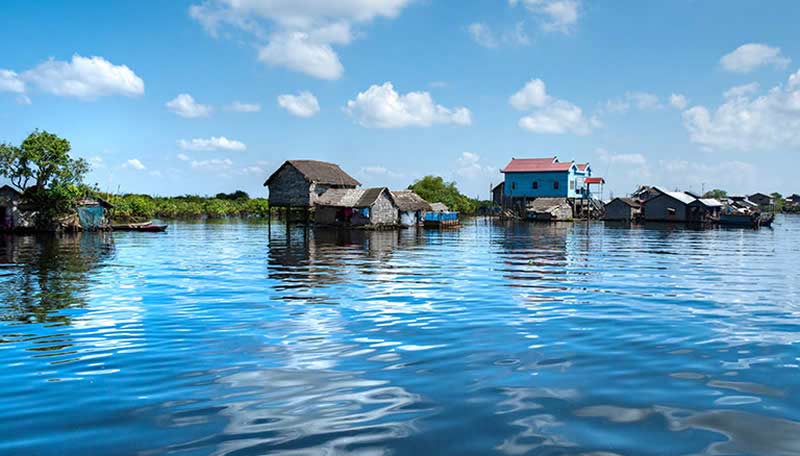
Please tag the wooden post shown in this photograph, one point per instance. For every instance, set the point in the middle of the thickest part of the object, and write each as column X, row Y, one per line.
column 269, row 222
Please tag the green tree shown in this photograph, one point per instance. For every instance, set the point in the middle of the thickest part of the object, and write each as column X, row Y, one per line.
column 42, row 161
column 779, row 201
column 435, row 190
column 716, row 194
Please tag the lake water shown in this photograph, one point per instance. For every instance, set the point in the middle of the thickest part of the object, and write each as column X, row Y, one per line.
column 589, row 339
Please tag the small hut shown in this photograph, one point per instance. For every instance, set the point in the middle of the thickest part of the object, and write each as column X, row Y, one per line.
column 704, row 210
column 367, row 208
column 626, row 209
column 410, row 206
column 668, row 207
column 93, row 214
column 11, row 217
column 299, row 183
column 549, row 209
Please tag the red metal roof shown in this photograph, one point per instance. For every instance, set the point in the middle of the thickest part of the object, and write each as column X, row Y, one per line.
column 535, row 165
column 594, row 180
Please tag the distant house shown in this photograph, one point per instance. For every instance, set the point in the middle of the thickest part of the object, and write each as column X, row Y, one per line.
column 10, row 215
column 299, row 183
column 549, row 209
column 645, row 192
column 93, row 214
column 439, row 207
column 793, row 201
column 623, row 209
column 667, row 207
column 498, row 195
column 410, row 206
column 763, row 201
column 371, row 207
column 704, row 210
column 529, row 178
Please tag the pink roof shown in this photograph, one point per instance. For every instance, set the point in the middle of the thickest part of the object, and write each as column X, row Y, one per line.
column 535, row 165
column 582, row 166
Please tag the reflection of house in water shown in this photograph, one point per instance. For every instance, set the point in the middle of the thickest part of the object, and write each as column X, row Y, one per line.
column 45, row 274
column 329, row 256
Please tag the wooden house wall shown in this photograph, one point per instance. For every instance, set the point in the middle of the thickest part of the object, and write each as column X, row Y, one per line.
column 290, row 188
column 383, row 211
column 618, row 210
column 657, row 209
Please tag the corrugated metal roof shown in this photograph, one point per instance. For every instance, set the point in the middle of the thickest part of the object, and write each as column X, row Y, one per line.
column 595, row 180
column 318, row 172
column 351, row 197
column 709, row 202
column 536, row 165
column 680, row 196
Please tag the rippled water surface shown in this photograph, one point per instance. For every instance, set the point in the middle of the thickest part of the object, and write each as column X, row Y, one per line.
column 589, row 339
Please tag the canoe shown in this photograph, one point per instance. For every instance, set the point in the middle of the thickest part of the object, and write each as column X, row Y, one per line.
column 150, row 228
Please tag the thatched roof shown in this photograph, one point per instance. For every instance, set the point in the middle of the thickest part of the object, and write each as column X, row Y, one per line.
column 351, row 197
column 319, row 172
column 408, row 200
column 439, row 207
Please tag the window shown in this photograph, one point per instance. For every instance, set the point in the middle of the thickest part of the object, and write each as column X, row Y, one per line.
column 555, row 185
column 572, row 185
column 535, row 185
column 513, row 186
column 670, row 211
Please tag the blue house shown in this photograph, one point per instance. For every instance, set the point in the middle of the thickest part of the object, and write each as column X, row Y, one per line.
column 531, row 178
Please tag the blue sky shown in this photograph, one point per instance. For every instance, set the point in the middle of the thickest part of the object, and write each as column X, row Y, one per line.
column 208, row 96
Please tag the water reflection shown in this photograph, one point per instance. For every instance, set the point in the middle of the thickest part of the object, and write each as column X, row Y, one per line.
column 44, row 274
column 496, row 338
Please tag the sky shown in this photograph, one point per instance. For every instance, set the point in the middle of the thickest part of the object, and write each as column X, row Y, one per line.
column 207, row 96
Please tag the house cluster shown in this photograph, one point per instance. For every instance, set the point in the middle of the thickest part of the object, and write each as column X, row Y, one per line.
column 327, row 195
column 548, row 189
column 90, row 214
column 655, row 204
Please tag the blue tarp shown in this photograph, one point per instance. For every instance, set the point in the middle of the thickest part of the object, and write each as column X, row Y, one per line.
column 441, row 216
column 91, row 217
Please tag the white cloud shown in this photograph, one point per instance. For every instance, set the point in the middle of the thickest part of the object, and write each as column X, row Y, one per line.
column 560, row 15
column 678, row 101
column 748, row 57
column 182, row 157
column 551, row 115
column 84, row 77
column 304, row 104
column 135, row 164
column 469, row 165
column 533, row 95
column 624, row 159
column 747, row 121
column 11, row 82
column 640, row 100
column 97, row 162
column 734, row 175
column 303, row 32
column 212, row 143
column 741, row 90
column 482, row 35
column 23, row 99
column 254, row 169
column 377, row 170
column 212, row 164
column 185, row 106
column 299, row 52
column 238, row 106
column 382, row 107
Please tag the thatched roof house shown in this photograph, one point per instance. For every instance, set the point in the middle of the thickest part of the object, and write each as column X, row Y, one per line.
column 410, row 207
column 298, row 183
column 356, row 207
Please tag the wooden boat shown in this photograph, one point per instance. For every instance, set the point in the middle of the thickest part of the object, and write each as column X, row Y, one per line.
column 746, row 220
column 146, row 227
